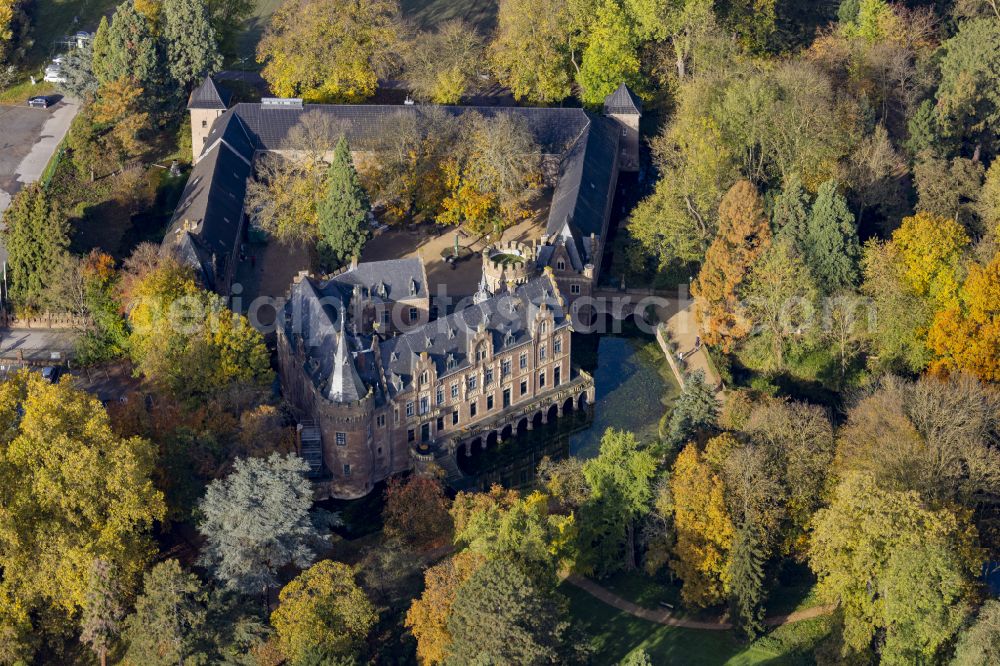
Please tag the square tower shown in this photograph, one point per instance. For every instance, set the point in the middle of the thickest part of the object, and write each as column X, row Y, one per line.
column 626, row 109
column 207, row 102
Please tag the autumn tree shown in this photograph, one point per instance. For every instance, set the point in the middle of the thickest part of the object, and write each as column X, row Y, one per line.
column 532, row 52
column 442, row 66
column 929, row 436
column 493, row 174
column 323, row 615
column 743, row 236
column 500, row 615
column 416, row 512
column 799, row 439
column 60, row 438
column 36, row 235
column 328, row 50
column 966, row 337
column 949, row 189
column 428, row 615
column 256, row 520
column 932, row 249
column 611, row 57
column 899, row 570
column 186, row 339
column 620, row 482
column 703, row 527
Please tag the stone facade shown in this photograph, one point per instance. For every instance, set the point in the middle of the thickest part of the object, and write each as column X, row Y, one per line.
column 383, row 405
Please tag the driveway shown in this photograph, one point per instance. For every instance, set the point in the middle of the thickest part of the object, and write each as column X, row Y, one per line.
column 29, row 138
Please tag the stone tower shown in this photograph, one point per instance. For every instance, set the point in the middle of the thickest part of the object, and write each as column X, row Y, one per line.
column 207, row 102
column 626, row 109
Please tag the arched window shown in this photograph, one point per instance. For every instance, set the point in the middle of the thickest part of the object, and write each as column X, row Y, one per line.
column 481, row 352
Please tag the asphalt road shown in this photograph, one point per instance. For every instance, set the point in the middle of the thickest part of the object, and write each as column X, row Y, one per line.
column 28, row 138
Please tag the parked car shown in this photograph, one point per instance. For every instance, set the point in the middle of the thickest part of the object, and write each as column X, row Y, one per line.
column 40, row 102
column 54, row 75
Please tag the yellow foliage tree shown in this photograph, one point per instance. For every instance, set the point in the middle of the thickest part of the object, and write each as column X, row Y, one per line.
column 932, row 249
column 966, row 337
column 71, row 490
column 323, row 613
column 428, row 616
column 704, row 529
column 328, row 50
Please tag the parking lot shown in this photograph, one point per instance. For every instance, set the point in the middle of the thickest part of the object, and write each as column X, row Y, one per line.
column 28, row 140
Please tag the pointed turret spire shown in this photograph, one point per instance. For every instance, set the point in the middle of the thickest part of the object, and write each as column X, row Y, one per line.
column 345, row 383
column 484, row 289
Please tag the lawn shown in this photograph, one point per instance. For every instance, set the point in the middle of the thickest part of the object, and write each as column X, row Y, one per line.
column 615, row 634
column 52, row 20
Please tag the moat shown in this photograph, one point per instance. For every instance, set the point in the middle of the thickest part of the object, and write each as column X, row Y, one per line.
column 634, row 389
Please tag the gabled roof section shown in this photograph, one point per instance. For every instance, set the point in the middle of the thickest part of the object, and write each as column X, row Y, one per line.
column 401, row 279
column 582, row 197
column 207, row 219
column 230, row 128
column 508, row 317
column 208, row 95
column 623, row 101
column 367, row 125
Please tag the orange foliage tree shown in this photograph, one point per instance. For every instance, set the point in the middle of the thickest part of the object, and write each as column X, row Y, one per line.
column 416, row 512
column 744, row 234
column 967, row 336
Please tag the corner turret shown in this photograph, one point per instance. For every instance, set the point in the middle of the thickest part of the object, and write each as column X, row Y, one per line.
column 207, row 102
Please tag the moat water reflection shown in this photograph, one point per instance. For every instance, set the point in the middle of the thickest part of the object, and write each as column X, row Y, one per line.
column 634, row 388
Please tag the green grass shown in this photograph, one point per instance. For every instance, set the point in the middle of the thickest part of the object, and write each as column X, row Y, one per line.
column 20, row 92
column 641, row 589
column 614, row 634
column 51, row 20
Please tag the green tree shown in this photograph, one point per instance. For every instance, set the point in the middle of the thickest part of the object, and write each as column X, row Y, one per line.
column 950, row 189
column 746, row 574
column 78, row 70
column 831, row 245
column 695, row 411
column 190, row 43
column 531, row 52
column 442, row 66
column 611, row 57
column 343, row 211
column 979, row 643
column 323, row 616
column 125, row 48
column 621, row 491
column 170, row 620
column 790, row 213
column 780, row 296
column 500, row 616
column 865, row 545
column 328, row 50
column 36, row 236
column 256, row 521
column 968, row 97
column 103, row 611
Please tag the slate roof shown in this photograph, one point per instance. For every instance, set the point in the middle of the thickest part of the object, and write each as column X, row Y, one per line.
column 447, row 338
column 623, row 101
column 365, row 125
column 207, row 219
column 345, row 372
column 586, row 186
column 209, row 95
column 395, row 279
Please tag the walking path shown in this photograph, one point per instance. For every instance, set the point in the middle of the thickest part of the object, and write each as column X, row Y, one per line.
column 682, row 329
column 663, row 616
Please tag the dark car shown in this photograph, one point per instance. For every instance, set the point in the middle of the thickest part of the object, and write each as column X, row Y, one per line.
column 39, row 102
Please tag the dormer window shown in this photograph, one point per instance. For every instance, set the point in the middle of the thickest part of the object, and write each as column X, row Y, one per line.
column 561, row 265
column 481, row 353
column 424, row 377
column 508, row 339
column 450, row 362
column 413, row 287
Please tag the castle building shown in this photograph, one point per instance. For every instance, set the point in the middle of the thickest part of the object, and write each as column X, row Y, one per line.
column 586, row 151
column 375, row 406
